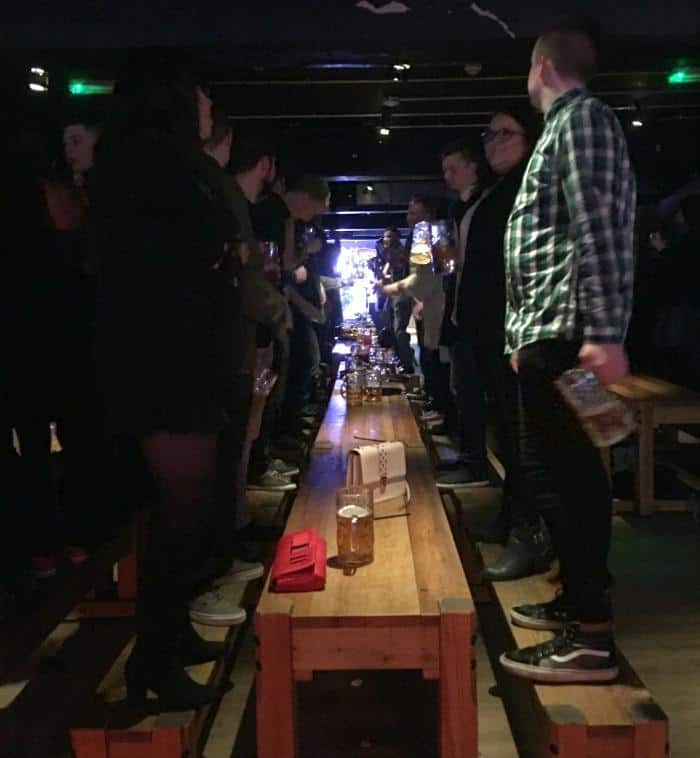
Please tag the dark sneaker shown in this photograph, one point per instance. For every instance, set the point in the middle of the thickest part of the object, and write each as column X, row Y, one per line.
column 551, row 616
column 439, row 429
column 462, row 478
column 284, row 468
column 272, row 480
column 572, row 656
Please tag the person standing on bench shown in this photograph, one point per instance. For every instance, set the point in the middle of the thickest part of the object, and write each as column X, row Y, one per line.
column 569, row 268
column 165, row 348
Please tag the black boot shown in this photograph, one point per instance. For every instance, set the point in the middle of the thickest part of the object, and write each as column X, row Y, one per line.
column 528, row 552
column 496, row 532
column 193, row 649
column 175, row 690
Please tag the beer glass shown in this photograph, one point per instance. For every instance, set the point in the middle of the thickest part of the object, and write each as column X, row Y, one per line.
column 355, row 525
column 373, row 385
column 443, row 247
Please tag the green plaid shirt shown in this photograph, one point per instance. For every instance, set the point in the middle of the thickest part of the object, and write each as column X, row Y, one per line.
column 568, row 245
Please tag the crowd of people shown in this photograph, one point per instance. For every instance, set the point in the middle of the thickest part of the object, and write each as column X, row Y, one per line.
column 161, row 265
column 550, row 261
column 169, row 262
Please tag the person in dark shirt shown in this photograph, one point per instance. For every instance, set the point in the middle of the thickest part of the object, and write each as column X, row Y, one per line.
column 479, row 316
column 165, row 350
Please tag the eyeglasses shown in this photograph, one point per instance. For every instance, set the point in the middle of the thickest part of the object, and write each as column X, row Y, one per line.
column 492, row 134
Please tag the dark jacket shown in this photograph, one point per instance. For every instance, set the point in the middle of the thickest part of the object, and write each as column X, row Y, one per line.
column 481, row 300
column 165, row 344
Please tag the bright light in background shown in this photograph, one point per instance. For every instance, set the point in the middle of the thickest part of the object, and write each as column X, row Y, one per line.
column 357, row 289
column 384, row 131
column 637, row 122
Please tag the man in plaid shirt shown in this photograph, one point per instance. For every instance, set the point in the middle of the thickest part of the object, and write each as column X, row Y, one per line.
column 569, row 264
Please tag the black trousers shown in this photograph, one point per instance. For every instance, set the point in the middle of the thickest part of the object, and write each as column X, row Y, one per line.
column 259, row 452
column 487, row 397
column 401, row 316
column 303, row 368
column 556, row 453
column 229, row 473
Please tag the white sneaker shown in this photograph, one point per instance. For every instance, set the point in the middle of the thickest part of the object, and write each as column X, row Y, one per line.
column 272, row 480
column 213, row 609
column 240, row 571
column 284, row 468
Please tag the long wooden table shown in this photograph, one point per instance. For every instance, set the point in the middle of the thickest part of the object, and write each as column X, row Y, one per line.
column 410, row 609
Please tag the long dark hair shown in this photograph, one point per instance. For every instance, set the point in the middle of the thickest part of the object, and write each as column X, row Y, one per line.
column 157, row 97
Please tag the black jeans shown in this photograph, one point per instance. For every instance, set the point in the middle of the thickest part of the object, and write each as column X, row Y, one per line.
column 230, row 474
column 401, row 315
column 303, row 368
column 556, row 453
column 259, row 452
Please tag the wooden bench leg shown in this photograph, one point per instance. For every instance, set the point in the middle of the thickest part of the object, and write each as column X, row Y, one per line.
column 568, row 732
column 274, row 685
column 458, row 714
column 645, row 462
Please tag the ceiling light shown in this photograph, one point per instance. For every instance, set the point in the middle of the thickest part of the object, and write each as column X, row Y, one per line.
column 38, row 80
column 369, row 188
column 637, row 122
column 384, row 131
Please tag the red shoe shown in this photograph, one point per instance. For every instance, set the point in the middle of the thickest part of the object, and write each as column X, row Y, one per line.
column 76, row 555
column 43, row 567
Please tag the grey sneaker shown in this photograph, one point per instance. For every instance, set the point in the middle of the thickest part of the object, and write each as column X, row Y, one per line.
column 272, row 480
column 284, row 468
column 240, row 571
column 213, row 609
column 463, row 478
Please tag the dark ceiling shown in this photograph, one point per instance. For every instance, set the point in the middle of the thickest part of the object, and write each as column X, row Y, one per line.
column 319, row 75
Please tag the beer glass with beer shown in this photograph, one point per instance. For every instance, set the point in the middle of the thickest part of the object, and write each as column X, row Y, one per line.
column 355, row 523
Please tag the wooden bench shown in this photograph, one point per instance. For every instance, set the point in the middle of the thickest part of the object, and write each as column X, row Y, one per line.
column 616, row 720
column 410, row 609
column 655, row 403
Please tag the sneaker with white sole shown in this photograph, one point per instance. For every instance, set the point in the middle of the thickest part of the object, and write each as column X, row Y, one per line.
column 211, row 608
column 284, row 468
column 464, row 477
column 573, row 656
column 272, row 480
column 240, row 571
column 551, row 616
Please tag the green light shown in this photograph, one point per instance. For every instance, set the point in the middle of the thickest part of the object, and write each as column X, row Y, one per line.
column 82, row 87
column 683, row 76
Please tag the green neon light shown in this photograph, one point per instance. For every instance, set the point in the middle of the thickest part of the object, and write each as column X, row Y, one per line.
column 83, row 87
column 683, row 76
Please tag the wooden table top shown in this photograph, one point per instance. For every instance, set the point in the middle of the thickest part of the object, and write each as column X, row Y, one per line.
column 649, row 389
column 416, row 562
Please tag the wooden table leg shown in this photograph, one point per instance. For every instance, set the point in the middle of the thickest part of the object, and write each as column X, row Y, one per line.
column 644, row 477
column 568, row 736
column 274, row 685
column 458, row 714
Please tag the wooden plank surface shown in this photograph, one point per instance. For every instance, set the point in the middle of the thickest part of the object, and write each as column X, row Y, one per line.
column 388, row 420
column 605, row 705
column 416, row 562
column 640, row 388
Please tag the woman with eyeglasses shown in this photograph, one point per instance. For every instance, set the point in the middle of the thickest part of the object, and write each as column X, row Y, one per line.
column 479, row 316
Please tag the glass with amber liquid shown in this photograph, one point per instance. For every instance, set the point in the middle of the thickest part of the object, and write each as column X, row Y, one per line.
column 373, row 385
column 353, row 387
column 444, row 247
column 355, row 525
